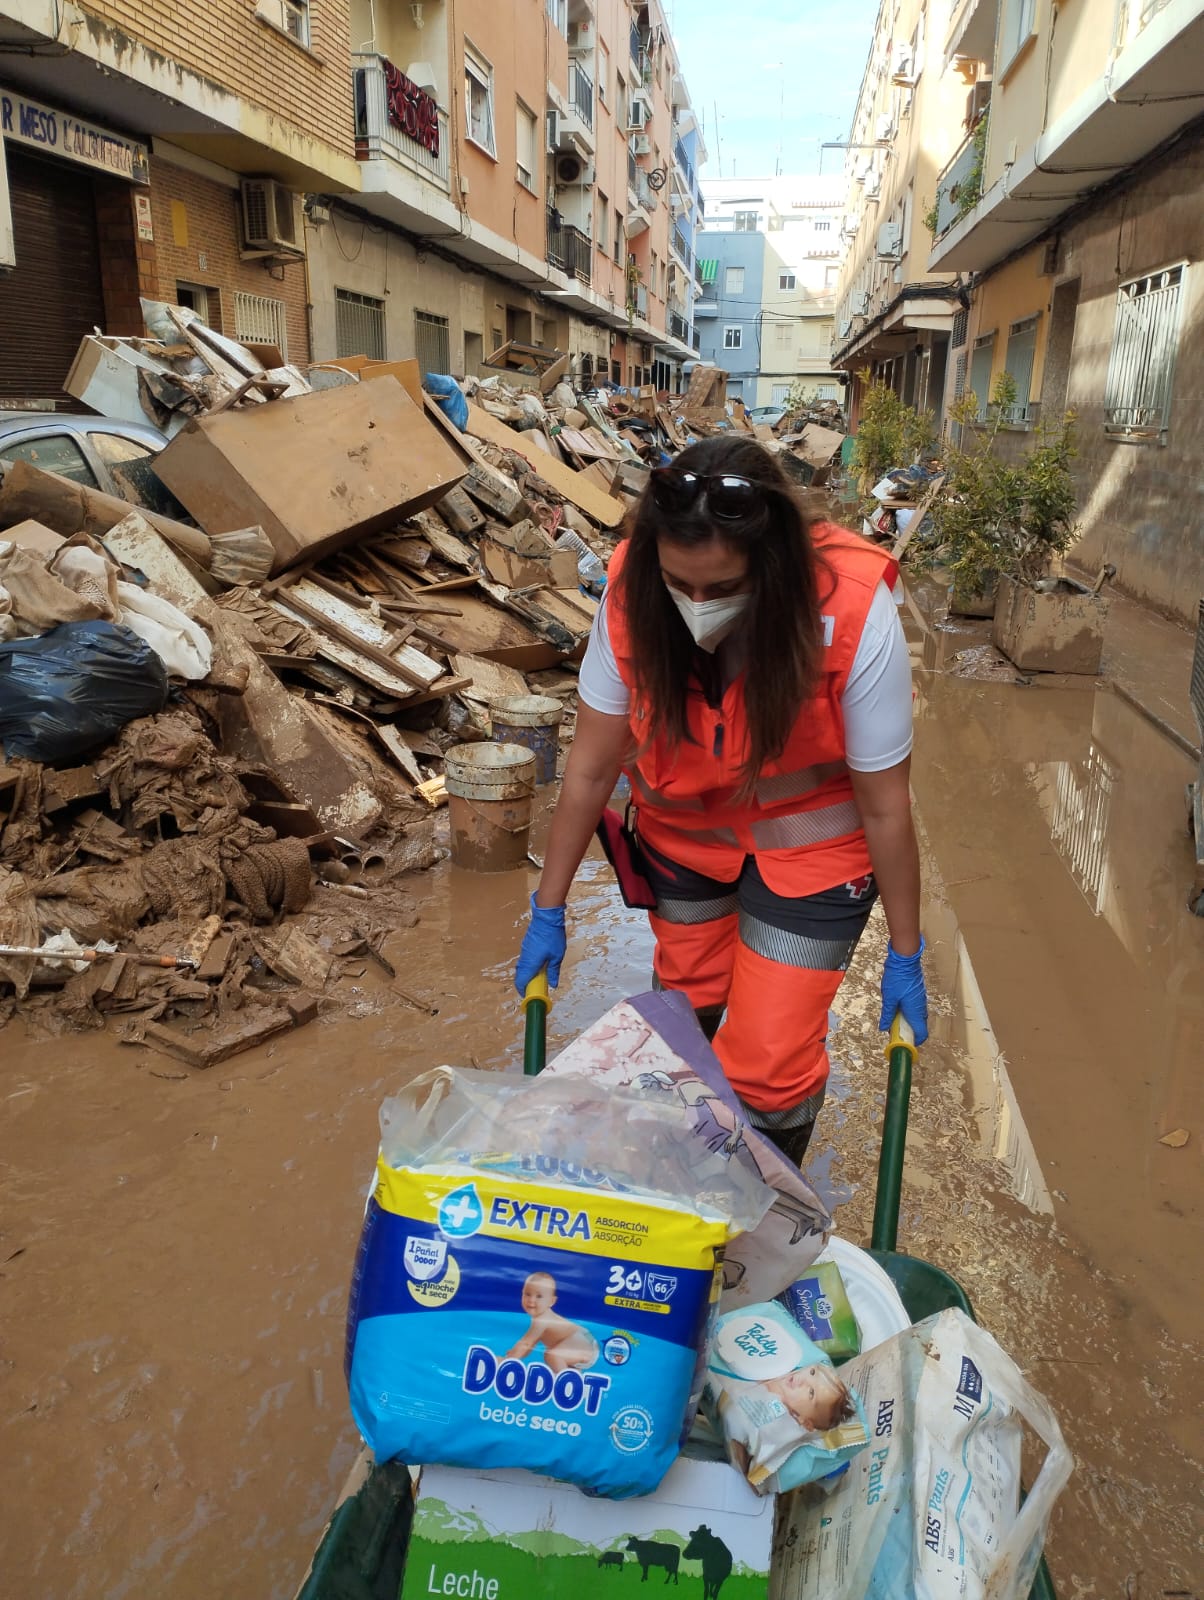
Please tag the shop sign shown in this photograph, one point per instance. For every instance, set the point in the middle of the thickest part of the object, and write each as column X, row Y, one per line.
column 41, row 127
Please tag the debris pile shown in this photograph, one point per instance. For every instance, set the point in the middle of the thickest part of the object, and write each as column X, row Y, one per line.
column 248, row 668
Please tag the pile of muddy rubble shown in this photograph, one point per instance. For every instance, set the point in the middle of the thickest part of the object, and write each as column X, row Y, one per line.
column 226, row 697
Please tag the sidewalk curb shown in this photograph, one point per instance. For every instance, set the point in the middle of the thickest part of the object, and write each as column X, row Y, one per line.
column 1130, row 697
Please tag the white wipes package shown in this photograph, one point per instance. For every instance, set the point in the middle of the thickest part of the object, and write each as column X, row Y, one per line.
column 786, row 1415
column 931, row 1510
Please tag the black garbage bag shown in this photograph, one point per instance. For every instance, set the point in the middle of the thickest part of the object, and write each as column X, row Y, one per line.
column 70, row 690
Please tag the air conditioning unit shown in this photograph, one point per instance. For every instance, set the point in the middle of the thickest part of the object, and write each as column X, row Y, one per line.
column 890, row 242
column 269, row 218
column 639, row 115
column 573, row 170
column 873, row 186
column 574, row 36
column 903, row 67
column 861, row 303
column 641, row 145
column 846, row 327
column 885, row 128
column 552, row 125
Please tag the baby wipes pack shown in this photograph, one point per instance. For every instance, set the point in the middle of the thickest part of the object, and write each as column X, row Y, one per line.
column 786, row 1416
column 518, row 1308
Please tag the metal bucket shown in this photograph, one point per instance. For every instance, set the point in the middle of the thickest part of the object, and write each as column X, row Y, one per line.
column 490, row 790
column 531, row 720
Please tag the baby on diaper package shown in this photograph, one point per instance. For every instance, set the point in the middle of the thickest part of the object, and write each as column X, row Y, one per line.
column 524, row 1295
column 785, row 1415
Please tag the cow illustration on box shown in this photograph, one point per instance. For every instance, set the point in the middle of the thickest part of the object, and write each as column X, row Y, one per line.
column 716, row 1559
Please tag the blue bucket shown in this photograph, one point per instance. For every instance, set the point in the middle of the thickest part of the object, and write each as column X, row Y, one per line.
column 533, row 721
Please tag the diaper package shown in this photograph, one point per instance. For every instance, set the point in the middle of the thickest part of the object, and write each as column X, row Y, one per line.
column 537, row 1271
column 785, row 1415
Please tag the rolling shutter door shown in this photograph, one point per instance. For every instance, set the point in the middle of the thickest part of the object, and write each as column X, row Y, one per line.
column 53, row 296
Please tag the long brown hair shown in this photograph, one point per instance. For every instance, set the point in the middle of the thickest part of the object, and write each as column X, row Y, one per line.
column 782, row 622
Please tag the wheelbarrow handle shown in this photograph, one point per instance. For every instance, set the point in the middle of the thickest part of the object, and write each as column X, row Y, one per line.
column 901, row 1053
column 536, row 1004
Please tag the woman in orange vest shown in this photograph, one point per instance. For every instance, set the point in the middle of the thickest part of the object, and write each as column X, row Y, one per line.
column 748, row 671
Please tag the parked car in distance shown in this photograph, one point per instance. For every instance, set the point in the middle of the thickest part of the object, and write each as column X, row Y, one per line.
column 97, row 452
column 770, row 415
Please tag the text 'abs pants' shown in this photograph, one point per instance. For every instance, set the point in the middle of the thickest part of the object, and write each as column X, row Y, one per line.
column 775, row 963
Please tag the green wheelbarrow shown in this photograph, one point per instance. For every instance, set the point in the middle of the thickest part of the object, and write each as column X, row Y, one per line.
column 923, row 1288
column 362, row 1552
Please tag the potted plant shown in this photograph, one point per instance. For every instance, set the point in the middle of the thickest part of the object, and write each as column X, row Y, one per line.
column 889, row 434
column 999, row 525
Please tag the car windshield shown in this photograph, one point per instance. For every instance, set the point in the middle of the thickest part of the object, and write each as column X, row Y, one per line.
column 52, row 452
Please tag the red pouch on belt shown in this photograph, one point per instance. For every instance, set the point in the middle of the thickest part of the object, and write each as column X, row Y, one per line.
column 617, row 838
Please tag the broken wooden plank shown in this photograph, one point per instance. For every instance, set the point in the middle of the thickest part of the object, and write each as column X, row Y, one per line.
column 208, row 1047
column 213, row 964
column 197, row 945
column 490, row 680
column 294, row 955
column 395, row 743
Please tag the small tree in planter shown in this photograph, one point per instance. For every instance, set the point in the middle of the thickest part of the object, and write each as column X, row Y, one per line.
column 993, row 517
column 889, row 434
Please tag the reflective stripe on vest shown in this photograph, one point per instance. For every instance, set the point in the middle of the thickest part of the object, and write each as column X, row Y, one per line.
column 802, row 828
column 807, row 827
column 772, row 790
column 794, row 785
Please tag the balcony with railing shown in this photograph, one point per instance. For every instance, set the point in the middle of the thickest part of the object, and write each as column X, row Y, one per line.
column 958, row 188
column 581, row 93
column 637, row 300
column 681, row 329
column 633, row 172
column 682, row 245
column 397, row 121
column 569, row 248
column 683, row 162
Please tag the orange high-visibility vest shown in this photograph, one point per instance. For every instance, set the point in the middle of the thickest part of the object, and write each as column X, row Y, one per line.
column 801, row 823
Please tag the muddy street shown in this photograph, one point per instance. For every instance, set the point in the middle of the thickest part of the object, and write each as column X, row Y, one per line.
column 176, row 1245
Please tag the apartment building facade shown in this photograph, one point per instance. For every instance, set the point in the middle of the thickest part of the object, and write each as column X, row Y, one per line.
column 770, row 254
column 515, row 163
column 1047, row 176
column 895, row 314
column 403, row 177
column 160, row 151
column 1074, row 211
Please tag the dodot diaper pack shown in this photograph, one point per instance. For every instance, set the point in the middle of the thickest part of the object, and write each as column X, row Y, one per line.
column 532, row 1317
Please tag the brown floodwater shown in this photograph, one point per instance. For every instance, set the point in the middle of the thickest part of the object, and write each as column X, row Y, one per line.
column 176, row 1246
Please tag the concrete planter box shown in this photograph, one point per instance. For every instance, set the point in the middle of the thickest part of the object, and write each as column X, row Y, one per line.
column 976, row 602
column 1058, row 632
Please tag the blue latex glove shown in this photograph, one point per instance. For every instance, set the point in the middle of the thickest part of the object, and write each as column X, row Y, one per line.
column 903, row 990
column 544, row 945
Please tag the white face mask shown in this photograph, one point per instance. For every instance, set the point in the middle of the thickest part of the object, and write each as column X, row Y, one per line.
column 710, row 621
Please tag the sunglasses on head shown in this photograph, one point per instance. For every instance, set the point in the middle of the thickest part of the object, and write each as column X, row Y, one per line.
column 728, row 498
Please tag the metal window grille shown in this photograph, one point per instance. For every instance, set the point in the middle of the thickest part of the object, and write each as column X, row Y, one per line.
column 1137, row 398
column 261, row 320
column 1018, row 364
column 959, row 377
column 961, row 326
column 432, row 342
column 359, row 325
column 980, row 370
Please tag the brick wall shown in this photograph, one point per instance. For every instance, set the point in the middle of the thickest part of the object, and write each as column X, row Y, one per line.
column 197, row 240
column 225, row 42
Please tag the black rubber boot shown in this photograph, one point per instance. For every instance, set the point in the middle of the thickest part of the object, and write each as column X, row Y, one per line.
column 792, row 1142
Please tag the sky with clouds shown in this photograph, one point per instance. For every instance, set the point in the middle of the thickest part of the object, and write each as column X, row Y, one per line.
column 776, row 72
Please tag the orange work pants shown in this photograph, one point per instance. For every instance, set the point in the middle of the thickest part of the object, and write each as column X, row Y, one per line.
column 772, row 963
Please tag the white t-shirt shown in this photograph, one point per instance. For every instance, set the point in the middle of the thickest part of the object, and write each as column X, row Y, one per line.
column 876, row 702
